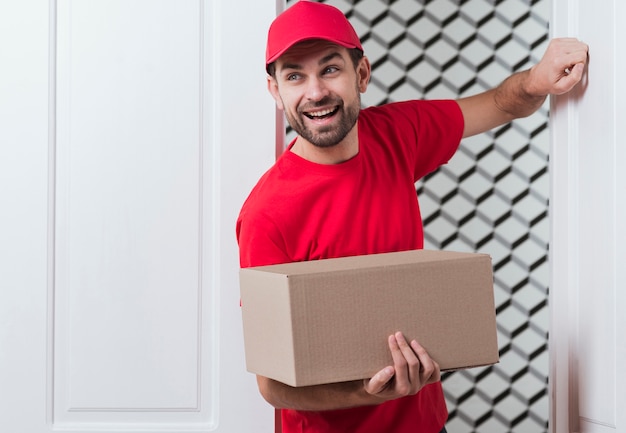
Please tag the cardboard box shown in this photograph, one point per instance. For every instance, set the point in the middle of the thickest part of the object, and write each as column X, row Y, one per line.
column 326, row 321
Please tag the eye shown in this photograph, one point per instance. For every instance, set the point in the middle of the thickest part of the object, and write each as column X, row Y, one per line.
column 292, row 77
column 330, row 69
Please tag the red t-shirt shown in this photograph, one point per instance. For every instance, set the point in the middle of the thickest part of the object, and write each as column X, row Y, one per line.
column 302, row 211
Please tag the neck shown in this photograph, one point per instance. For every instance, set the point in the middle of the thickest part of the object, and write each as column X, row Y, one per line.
column 347, row 149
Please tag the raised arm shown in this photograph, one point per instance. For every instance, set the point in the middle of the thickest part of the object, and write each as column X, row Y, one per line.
column 520, row 95
column 412, row 370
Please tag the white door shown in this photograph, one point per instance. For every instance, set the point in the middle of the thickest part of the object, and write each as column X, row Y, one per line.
column 588, row 211
column 130, row 133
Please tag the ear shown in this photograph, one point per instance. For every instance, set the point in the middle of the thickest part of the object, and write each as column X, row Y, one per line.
column 364, row 72
column 272, row 86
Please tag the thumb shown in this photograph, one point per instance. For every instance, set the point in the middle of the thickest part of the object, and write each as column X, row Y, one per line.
column 379, row 381
column 569, row 79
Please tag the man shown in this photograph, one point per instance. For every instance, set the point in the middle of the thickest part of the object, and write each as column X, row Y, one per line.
column 346, row 186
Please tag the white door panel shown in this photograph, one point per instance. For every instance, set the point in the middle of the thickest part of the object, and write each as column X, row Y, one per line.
column 129, row 317
column 123, row 168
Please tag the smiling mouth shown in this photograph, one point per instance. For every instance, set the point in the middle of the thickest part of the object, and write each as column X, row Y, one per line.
column 322, row 114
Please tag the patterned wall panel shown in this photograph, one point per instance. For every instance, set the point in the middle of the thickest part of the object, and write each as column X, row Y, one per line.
column 493, row 196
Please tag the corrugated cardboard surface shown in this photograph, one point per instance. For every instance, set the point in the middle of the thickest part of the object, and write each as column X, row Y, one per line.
column 327, row 321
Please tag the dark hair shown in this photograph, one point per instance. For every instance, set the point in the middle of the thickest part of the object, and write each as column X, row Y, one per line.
column 355, row 55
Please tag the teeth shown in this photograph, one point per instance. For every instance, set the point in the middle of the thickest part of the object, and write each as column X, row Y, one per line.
column 320, row 113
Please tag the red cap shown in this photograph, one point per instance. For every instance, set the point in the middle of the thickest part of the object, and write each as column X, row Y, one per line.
column 309, row 20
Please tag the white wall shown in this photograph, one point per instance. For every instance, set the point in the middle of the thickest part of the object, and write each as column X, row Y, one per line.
column 588, row 208
column 123, row 164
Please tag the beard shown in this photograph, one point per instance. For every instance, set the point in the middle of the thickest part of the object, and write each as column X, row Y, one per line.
column 327, row 136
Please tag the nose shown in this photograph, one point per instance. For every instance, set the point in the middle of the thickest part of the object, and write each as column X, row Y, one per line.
column 316, row 89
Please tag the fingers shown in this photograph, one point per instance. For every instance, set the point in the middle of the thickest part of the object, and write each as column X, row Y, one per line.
column 561, row 67
column 412, row 369
column 405, row 361
column 570, row 56
column 421, row 368
column 430, row 372
column 572, row 47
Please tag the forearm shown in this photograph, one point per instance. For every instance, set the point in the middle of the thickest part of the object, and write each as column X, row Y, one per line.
column 315, row 398
column 510, row 100
column 412, row 370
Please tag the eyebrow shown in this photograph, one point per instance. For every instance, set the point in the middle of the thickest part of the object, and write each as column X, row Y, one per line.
column 322, row 61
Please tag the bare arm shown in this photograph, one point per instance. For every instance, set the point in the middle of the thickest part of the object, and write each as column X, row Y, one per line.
column 412, row 370
column 316, row 398
column 520, row 95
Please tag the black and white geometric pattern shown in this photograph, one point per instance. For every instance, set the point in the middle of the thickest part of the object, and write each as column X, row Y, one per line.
column 493, row 196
